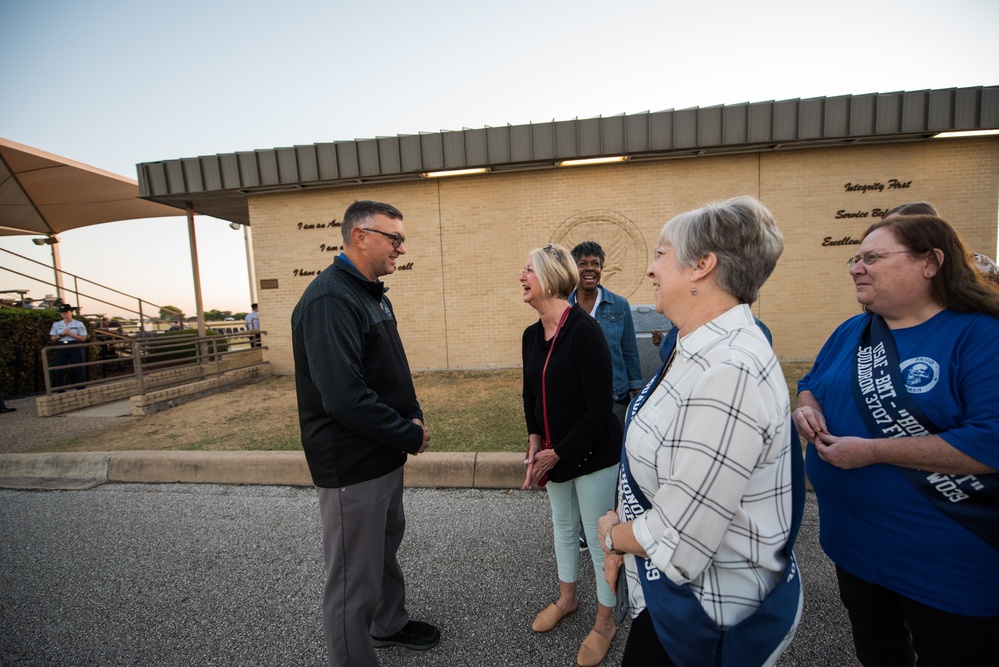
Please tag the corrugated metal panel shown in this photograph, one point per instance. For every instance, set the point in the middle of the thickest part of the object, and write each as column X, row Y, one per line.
column 811, row 118
column 229, row 167
column 498, row 140
column 410, row 155
column 175, row 178
column 785, row 121
column 889, row 113
column 863, row 110
column 248, row 169
column 710, row 131
column 152, row 179
column 192, row 174
column 661, row 131
column 388, row 155
column 326, row 158
column 476, row 148
column 735, row 124
column 941, row 110
column 543, row 141
column 307, row 163
column 367, row 157
column 432, row 151
column 837, row 120
column 211, row 173
column 565, row 139
column 612, row 135
column 520, row 143
column 454, row 149
column 636, row 132
column 967, row 103
column 219, row 183
column 588, row 137
column 761, row 119
column 685, row 128
column 990, row 107
column 914, row 105
column 267, row 167
column 287, row 165
column 346, row 159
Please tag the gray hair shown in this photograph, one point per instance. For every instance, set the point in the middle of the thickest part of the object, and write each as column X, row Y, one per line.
column 556, row 270
column 743, row 235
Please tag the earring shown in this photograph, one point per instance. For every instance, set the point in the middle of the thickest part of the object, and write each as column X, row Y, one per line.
column 693, row 291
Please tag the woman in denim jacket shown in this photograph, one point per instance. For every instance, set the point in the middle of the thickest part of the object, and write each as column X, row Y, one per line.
column 613, row 312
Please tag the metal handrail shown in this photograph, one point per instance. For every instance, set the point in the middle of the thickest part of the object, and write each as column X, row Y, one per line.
column 78, row 293
column 144, row 352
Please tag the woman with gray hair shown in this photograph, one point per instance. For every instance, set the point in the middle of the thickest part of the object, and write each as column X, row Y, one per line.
column 574, row 438
column 711, row 480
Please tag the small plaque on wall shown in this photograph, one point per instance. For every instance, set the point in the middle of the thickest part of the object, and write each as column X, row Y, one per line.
column 268, row 283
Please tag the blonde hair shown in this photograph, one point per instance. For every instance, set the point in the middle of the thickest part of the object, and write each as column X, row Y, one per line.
column 556, row 270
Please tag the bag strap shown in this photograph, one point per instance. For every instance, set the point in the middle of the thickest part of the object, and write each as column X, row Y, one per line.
column 544, row 394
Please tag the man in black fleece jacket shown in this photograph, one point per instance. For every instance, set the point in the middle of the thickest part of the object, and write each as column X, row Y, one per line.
column 360, row 419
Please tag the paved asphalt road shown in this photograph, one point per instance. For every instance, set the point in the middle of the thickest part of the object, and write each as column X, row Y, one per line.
column 140, row 575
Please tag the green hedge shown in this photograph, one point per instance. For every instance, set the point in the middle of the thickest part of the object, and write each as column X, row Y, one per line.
column 23, row 334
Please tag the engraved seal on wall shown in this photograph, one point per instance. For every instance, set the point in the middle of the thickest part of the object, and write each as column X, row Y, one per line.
column 623, row 244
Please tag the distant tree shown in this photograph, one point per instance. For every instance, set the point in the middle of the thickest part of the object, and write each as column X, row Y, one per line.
column 213, row 315
column 171, row 314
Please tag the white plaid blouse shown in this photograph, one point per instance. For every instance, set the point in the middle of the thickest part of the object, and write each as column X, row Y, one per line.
column 710, row 450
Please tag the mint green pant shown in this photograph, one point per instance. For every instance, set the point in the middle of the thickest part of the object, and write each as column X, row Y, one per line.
column 587, row 498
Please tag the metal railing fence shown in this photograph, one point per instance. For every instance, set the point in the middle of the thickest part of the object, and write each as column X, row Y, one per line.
column 121, row 359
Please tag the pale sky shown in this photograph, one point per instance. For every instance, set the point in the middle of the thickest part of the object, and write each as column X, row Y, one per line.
column 112, row 83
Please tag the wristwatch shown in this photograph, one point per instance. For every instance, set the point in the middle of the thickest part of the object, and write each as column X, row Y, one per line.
column 609, row 541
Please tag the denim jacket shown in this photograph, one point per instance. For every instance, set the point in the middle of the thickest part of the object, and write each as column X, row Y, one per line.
column 614, row 315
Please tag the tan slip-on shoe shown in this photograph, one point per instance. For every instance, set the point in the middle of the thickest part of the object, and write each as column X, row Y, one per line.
column 549, row 618
column 593, row 650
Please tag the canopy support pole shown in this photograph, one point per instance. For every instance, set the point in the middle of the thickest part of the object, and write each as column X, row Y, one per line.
column 194, row 270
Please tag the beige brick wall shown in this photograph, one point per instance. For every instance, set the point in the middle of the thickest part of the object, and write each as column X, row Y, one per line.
column 459, row 303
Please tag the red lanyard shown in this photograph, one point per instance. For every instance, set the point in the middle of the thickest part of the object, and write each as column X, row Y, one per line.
column 544, row 395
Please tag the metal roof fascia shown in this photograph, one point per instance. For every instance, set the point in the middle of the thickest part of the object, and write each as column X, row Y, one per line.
column 870, row 117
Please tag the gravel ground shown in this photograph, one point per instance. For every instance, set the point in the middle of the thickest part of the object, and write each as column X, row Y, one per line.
column 24, row 431
column 229, row 575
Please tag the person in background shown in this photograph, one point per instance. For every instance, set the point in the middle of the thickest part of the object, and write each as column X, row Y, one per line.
column 901, row 411
column 613, row 312
column 67, row 332
column 574, row 439
column 712, row 487
column 253, row 324
column 360, row 422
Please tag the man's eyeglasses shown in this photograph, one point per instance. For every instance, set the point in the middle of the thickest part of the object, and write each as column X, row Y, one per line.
column 395, row 238
column 870, row 257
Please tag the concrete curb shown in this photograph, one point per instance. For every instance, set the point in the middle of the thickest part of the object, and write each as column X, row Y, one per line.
column 84, row 470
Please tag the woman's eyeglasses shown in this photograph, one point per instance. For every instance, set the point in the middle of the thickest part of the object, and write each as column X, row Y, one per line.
column 869, row 258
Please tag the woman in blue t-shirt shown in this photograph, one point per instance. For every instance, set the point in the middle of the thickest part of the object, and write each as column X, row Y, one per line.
column 901, row 410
